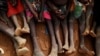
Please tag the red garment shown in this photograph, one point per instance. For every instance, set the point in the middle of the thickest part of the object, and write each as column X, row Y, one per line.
column 15, row 10
column 46, row 15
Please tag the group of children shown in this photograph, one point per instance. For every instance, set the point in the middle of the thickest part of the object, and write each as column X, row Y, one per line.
column 55, row 14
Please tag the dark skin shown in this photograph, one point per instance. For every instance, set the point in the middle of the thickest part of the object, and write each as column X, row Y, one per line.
column 56, row 11
column 19, row 30
column 59, row 20
column 7, row 27
column 5, row 20
column 10, row 32
column 37, row 51
column 31, row 9
column 89, row 5
column 81, row 21
column 3, row 10
column 37, row 14
column 56, row 27
column 54, row 48
column 83, row 48
column 57, row 32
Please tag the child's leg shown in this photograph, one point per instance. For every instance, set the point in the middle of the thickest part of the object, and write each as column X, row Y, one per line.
column 92, row 33
column 17, row 40
column 88, row 18
column 19, row 45
column 71, row 28
column 65, row 32
column 57, row 33
column 25, row 28
column 18, row 27
column 6, row 19
column 83, row 48
column 54, row 49
column 37, row 51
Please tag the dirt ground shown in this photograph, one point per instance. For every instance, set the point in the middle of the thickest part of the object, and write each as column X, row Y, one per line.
column 44, row 41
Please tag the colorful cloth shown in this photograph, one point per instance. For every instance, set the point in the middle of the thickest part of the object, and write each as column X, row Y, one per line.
column 78, row 10
column 15, row 10
column 29, row 14
column 46, row 14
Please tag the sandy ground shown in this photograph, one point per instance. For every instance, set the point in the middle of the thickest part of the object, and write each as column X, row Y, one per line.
column 43, row 40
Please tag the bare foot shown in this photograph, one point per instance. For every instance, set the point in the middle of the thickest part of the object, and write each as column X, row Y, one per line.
column 21, row 41
column 84, row 50
column 1, row 51
column 38, row 53
column 25, row 30
column 92, row 33
column 22, row 51
column 71, row 50
column 60, row 50
column 18, row 31
column 65, row 47
column 54, row 52
column 86, row 32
